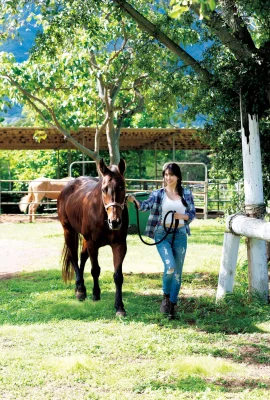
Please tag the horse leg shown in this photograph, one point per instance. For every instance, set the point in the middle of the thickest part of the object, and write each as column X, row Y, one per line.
column 95, row 270
column 71, row 241
column 80, row 288
column 119, row 252
column 34, row 206
column 30, row 212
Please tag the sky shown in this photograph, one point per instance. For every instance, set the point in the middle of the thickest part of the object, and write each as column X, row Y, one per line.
column 20, row 48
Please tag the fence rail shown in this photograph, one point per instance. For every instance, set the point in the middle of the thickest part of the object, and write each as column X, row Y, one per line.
column 210, row 197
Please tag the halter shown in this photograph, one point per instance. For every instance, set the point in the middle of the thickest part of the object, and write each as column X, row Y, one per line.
column 114, row 204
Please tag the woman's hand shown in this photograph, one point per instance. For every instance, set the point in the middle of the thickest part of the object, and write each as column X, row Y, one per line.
column 130, row 198
column 180, row 216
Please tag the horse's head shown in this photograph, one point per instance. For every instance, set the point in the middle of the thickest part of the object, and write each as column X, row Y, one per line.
column 113, row 192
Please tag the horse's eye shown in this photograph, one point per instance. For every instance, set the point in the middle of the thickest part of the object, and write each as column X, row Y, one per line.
column 104, row 190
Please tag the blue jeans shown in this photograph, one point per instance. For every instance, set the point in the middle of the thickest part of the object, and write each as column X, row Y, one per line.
column 173, row 259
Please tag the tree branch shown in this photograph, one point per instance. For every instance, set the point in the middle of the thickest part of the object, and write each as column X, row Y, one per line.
column 129, row 113
column 237, row 24
column 117, row 52
column 98, row 133
column 100, row 82
column 152, row 30
column 31, row 100
column 219, row 27
column 116, row 88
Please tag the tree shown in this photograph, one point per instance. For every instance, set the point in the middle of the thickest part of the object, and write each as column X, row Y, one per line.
column 240, row 29
column 87, row 67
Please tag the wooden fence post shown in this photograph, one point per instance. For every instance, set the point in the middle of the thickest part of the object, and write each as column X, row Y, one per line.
column 257, row 232
column 257, row 271
column 228, row 264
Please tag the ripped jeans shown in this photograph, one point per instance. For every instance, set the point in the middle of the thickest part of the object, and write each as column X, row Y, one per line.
column 173, row 259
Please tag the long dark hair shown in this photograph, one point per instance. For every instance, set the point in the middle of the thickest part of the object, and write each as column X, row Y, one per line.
column 174, row 169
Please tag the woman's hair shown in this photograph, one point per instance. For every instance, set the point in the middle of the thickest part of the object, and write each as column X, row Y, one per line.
column 174, row 169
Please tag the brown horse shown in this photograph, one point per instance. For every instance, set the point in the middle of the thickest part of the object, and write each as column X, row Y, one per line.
column 37, row 190
column 96, row 210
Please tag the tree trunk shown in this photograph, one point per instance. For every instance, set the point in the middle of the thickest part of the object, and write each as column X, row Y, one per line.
column 253, row 187
column 113, row 140
column 268, row 251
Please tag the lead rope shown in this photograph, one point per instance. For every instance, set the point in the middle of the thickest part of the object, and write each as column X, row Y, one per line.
column 164, row 226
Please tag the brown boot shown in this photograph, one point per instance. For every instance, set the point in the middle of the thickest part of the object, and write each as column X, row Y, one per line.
column 172, row 311
column 165, row 304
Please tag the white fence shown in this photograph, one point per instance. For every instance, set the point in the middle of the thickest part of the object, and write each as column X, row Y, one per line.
column 257, row 232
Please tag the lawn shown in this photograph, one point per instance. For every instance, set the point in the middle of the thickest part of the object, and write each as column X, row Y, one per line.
column 54, row 347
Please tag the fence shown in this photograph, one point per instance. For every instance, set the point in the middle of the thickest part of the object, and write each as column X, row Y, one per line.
column 210, row 196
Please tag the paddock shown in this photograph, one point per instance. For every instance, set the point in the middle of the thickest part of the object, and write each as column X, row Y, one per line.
column 211, row 196
column 210, row 350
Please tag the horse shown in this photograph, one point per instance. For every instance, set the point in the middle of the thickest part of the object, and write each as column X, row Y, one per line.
column 94, row 210
column 37, row 190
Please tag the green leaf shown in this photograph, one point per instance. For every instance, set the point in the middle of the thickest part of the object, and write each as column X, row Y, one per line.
column 178, row 10
column 212, row 5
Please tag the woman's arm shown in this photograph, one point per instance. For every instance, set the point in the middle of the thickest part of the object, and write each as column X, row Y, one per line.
column 144, row 205
column 190, row 210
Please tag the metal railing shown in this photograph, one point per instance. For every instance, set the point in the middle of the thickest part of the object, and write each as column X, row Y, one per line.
column 210, row 197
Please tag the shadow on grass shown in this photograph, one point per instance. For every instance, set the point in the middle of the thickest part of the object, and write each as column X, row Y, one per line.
column 40, row 297
column 185, row 384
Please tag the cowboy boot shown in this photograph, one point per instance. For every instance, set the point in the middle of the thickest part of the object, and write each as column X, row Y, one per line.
column 165, row 304
column 172, row 311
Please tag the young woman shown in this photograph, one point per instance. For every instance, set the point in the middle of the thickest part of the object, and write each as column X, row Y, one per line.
column 173, row 197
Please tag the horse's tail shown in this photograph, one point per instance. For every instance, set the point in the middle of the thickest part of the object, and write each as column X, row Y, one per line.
column 25, row 200
column 67, row 266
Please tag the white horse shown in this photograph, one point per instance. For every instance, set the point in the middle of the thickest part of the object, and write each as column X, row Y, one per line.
column 37, row 190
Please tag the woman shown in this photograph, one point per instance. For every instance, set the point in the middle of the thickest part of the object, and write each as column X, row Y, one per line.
column 173, row 197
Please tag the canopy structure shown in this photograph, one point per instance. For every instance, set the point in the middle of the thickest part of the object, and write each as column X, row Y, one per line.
column 26, row 138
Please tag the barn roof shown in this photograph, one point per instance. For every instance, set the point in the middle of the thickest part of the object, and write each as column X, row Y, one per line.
column 23, row 138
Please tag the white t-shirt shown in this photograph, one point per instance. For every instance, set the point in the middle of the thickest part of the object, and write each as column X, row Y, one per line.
column 172, row 205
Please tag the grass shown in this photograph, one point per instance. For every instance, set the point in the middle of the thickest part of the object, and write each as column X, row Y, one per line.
column 53, row 347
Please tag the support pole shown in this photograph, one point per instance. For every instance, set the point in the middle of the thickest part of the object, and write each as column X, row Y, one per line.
column 83, row 158
column 257, row 273
column 173, row 146
column 140, row 165
column 58, row 164
column 156, row 163
column 68, row 159
column 228, row 264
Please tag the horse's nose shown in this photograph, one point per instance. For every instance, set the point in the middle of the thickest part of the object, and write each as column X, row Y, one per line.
column 115, row 224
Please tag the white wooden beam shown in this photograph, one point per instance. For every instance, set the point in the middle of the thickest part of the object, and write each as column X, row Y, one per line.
column 249, row 227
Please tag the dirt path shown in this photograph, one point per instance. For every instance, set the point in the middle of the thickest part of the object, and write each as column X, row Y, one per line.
column 16, row 255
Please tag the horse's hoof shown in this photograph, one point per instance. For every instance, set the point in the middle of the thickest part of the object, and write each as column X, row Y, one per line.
column 96, row 298
column 121, row 313
column 81, row 296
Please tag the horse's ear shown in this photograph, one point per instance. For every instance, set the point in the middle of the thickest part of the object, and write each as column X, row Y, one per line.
column 102, row 167
column 122, row 166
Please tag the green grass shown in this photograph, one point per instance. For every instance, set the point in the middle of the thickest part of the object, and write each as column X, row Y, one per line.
column 54, row 347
